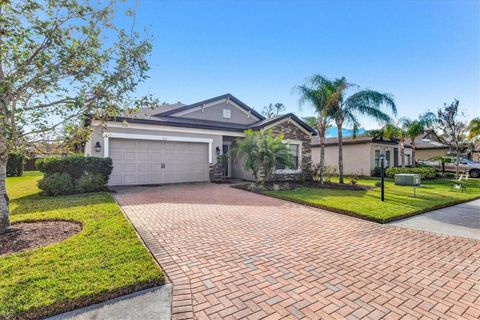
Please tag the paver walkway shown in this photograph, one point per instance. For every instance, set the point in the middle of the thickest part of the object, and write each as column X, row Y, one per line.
column 232, row 254
column 460, row 220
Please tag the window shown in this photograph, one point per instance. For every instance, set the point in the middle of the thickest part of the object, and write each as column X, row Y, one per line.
column 295, row 152
column 227, row 113
column 387, row 158
column 377, row 158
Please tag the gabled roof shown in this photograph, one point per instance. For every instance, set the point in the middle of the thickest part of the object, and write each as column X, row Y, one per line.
column 265, row 122
column 167, row 117
column 200, row 103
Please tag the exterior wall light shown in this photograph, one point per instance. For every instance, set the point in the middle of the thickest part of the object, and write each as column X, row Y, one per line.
column 217, row 150
column 98, row 147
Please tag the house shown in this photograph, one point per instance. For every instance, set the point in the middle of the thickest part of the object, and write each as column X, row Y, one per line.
column 180, row 143
column 361, row 154
column 428, row 146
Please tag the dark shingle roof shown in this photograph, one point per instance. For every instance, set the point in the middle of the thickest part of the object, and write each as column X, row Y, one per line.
column 265, row 122
column 224, row 96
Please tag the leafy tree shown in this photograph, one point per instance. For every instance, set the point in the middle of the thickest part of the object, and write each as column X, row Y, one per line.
column 474, row 128
column 452, row 131
column 273, row 109
column 261, row 152
column 416, row 127
column 347, row 109
column 317, row 92
column 60, row 60
column 311, row 121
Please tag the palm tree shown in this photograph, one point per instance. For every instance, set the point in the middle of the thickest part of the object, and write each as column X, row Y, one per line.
column 318, row 92
column 416, row 127
column 346, row 110
column 474, row 128
column 262, row 152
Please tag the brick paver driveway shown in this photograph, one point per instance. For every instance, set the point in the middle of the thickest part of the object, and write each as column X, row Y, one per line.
column 232, row 254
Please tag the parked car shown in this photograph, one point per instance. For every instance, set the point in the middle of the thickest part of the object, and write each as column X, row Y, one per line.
column 473, row 168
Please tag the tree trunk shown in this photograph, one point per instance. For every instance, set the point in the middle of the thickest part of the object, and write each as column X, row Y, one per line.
column 414, row 160
column 457, row 167
column 4, row 211
column 402, row 152
column 340, row 151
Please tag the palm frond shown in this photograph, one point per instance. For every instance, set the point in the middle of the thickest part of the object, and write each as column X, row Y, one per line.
column 370, row 102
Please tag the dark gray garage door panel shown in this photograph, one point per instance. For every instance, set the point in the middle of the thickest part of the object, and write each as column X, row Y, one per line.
column 153, row 162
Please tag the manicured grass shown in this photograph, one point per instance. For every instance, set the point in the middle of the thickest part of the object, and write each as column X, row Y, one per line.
column 104, row 260
column 399, row 200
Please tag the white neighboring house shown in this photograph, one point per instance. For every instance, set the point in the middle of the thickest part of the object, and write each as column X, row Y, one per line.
column 361, row 154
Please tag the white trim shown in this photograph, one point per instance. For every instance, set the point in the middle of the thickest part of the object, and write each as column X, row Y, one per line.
column 108, row 135
column 154, row 127
column 215, row 103
column 105, row 146
column 290, row 120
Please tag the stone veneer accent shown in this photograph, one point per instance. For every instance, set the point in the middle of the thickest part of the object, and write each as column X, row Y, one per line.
column 292, row 132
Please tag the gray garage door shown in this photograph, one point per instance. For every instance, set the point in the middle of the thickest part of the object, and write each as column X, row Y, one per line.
column 156, row 162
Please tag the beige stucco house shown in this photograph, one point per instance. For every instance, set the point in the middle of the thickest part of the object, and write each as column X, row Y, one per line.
column 180, row 143
column 361, row 154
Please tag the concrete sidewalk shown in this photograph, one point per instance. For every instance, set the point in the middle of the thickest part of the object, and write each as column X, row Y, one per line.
column 150, row 304
column 461, row 220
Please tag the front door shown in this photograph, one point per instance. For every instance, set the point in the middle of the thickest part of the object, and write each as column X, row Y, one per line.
column 395, row 157
column 226, row 165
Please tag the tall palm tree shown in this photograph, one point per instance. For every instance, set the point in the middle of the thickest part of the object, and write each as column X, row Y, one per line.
column 416, row 127
column 346, row 110
column 317, row 92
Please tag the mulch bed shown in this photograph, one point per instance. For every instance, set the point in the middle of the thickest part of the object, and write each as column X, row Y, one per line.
column 28, row 235
column 292, row 185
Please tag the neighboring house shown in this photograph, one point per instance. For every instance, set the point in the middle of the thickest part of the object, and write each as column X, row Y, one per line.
column 180, row 143
column 428, row 147
column 361, row 154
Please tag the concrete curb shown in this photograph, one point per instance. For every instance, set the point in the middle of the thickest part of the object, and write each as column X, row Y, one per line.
column 154, row 303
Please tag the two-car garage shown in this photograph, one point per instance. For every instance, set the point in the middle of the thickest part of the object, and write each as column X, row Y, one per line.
column 141, row 161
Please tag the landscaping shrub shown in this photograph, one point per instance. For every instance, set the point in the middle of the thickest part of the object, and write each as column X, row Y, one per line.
column 377, row 172
column 57, row 184
column 90, row 183
column 87, row 174
column 15, row 164
column 425, row 172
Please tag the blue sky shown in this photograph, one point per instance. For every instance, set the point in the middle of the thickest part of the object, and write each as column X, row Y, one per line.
column 423, row 52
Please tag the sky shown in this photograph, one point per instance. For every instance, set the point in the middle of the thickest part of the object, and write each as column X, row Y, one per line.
column 423, row 52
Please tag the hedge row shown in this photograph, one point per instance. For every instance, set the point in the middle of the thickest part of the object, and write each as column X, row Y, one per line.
column 425, row 172
column 15, row 164
column 73, row 174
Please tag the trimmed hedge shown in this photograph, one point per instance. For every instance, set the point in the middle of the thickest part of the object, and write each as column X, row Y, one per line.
column 425, row 172
column 73, row 174
column 15, row 164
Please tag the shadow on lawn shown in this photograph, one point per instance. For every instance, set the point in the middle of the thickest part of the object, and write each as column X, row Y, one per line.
column 38, row 203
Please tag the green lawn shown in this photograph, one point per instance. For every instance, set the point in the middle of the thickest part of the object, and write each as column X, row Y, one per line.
column 104, row 260
column 399, row 201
